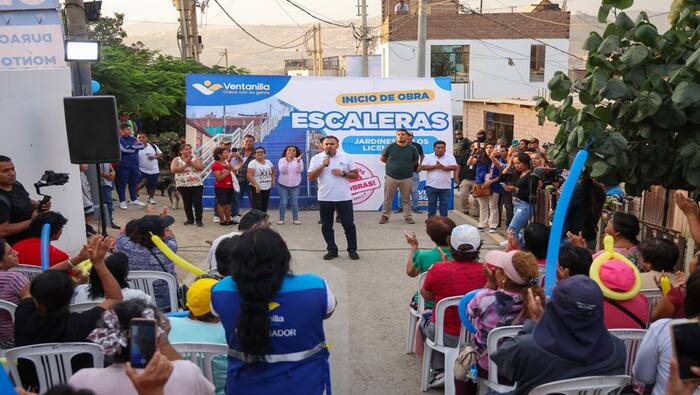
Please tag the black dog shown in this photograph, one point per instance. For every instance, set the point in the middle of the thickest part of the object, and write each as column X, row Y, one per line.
column 164, row 184
column 167, row 185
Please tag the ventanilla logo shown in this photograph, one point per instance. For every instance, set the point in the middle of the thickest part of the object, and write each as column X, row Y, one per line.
column 207, row 88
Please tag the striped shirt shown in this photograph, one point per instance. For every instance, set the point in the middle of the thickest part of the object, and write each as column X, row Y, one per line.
column 11, row 283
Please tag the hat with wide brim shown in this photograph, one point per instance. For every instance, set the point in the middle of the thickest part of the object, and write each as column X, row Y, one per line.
column 155, row 224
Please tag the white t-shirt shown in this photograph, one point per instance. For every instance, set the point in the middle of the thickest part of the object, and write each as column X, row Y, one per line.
column 211, row 257
column 80, row 295
column 439, row 179
column 146, row 165
column 186, row 379
column 399, row 9
column 333, row 188
column 263, row 173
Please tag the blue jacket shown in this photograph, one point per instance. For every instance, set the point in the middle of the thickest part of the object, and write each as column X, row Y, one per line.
column 484, row 168
column 296, row 315
column 129, row 147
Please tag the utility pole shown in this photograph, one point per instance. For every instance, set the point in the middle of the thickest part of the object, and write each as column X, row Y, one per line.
column 190, row 46
column 422, row 33
column 362, row 11
column 318, row 51
column 226, row 59
column 81, row 80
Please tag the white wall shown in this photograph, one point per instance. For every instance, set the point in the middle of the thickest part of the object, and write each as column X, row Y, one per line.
column 488, row 64
column 34, row 136
column 353, row 66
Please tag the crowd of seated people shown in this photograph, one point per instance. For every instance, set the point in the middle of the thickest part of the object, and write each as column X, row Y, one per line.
column 573, row 334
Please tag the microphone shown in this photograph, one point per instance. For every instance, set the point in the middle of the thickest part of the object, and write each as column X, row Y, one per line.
column 328, row 153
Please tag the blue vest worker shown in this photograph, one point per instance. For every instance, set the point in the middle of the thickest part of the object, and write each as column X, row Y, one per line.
column 297, row 360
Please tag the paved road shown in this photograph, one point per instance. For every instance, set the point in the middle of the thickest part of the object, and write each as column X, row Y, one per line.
column 367, row 332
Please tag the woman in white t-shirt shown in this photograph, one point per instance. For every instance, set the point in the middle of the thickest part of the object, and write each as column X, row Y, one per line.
column 93, row 291
column 261, row 176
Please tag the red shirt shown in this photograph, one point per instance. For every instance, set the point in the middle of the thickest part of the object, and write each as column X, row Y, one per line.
column 616, row 319
column 29, row 252
column 226, row 182
column 452, row 278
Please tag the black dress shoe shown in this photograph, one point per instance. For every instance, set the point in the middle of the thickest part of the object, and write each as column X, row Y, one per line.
column 200, row 224
column 114, row 226
column 188, row 223
column 330, row 255
column 353, row 255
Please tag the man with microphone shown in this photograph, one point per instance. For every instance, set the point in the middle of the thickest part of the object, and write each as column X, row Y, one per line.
column 334, row 170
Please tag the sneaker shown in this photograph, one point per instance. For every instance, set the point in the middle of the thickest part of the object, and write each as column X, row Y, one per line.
column 280, row 222
column 410, row 220
column 236, row 219
column 330, row 255
column 417, row 211
column 504, row 243
column 297, row 222
column 493, row 230
column 480, row 228
column 384, row 219
column 216, row 219
column 137, row 202
column 122, row 205
column 353, row 255
column 114, row 226
column 438, row 379
column 200, row 224
column 151, row 201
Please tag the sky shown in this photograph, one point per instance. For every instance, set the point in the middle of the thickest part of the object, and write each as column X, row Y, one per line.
column 278, row 12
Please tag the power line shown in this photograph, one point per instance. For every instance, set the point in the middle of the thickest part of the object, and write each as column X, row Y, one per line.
column 283, row 46
column 469, row 10
column 279, row 4
column 308, row 12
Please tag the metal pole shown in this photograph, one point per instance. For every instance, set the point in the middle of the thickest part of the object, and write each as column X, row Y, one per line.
column 226, row 58
column 194, row 41
column 422, row 33
column 365, row 41
column 103, row 206
column 320, row 52
column 81, row 75
column 184, row 42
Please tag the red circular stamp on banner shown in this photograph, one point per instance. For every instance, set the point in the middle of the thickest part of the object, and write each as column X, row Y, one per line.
column 363, row 187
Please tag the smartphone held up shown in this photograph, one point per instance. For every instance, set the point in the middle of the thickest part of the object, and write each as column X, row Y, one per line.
column 142, row 342
column 685, row 335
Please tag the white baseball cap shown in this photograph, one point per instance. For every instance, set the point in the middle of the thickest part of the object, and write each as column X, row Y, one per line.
column 465, row 234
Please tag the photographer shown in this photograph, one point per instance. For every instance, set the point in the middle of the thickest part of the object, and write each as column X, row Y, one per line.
column 16, row 208
column 487, row 187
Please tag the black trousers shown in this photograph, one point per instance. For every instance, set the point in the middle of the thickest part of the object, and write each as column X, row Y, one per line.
column 260, row 200
column 345, row 211
column 192, row 197
column 505, row 199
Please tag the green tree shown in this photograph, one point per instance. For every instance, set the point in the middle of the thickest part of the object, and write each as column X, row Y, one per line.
column 641, row 102
column 144, row 80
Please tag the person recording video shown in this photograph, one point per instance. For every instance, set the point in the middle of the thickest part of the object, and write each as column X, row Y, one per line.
column 16, row 208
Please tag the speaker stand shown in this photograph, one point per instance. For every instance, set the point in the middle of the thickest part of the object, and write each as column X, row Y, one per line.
column 103, row 208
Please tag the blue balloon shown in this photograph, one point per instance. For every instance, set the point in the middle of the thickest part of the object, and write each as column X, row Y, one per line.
column 45, row 241
column 555, row 234
column 95, row 86
column 462, row 309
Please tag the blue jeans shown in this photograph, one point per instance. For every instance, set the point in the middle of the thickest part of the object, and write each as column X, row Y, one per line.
column 435, row 194
column 236, row 203
column 414, row 190
column 521, row 215
column 107, row 199
column 288, row 195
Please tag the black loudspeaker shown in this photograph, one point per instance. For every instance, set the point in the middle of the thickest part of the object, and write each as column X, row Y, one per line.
column 93, row 129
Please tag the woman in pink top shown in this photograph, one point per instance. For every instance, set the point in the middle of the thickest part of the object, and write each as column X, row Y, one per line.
column 621, row 311
column 290, row 166
column 14, row 287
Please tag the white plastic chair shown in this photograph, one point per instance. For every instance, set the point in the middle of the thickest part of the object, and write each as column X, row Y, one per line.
column 494, row 338
column 541, row 269
column 594, row 385
column 414, row 315
column 30, row 271
column 80, row 307
column 653, row 296
column 9, row 307
column 632, row 339
column 52, row 361
column 202, row 354
column 143, row 280
column 439, row 345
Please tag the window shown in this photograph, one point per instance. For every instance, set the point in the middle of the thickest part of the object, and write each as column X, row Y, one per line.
column 498, row 125
column 537, row 63
column 450, row 61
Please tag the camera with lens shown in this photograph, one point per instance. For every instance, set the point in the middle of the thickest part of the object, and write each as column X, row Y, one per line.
column 49, row 178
